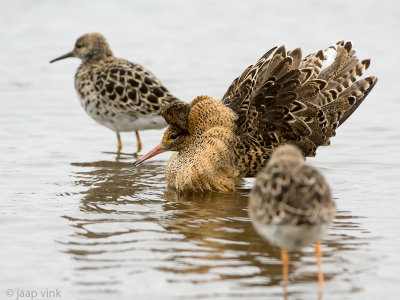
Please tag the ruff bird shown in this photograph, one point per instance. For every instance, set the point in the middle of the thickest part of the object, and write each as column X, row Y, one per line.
column 115, row 92
column 281, row 99
column 291, row 205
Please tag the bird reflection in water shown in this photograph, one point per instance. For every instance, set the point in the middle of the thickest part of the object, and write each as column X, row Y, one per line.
column 116, row 209
column 128, row 224
column 233, row 251
column 115, row 181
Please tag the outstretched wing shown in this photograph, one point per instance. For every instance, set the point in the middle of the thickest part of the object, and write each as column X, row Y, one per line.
column 286, row 99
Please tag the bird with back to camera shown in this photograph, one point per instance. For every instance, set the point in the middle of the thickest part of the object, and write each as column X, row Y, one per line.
column 291, row 205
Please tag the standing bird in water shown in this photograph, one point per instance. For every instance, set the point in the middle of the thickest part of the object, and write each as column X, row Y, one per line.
column 116, row 93
column 281, row 99
column 291, row 206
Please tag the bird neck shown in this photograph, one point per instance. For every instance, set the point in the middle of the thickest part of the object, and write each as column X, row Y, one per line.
column 98, row 53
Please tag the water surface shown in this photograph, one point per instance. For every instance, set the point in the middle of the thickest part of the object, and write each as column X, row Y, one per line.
column 77, row 218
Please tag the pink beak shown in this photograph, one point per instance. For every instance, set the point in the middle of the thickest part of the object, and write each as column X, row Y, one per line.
column 157, row 150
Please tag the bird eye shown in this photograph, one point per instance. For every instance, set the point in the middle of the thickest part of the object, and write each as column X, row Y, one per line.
column 173, row 136
column 78, row 46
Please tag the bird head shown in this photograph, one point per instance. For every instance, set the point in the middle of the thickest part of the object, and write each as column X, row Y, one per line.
column 89, row 47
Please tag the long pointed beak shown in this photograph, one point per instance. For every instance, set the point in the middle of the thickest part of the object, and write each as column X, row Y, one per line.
column 69, row 54
column 157, row 150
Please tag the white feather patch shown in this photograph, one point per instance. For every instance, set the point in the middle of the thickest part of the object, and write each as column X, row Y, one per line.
column 330, row 55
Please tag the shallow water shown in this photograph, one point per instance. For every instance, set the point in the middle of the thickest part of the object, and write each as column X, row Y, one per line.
column 77, row 218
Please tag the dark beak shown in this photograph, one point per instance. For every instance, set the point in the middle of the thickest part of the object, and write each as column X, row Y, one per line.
column 157, row 150
column 69, row 54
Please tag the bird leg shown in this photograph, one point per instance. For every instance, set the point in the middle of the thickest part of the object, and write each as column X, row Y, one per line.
column 119, row 142
column 318, row 253
column 139, row 143
column 285, row 265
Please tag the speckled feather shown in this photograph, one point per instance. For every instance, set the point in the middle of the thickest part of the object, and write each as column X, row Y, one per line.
column 119, row 94
column 290, row 204
column 117, row 85
column 286, row 99
column 289, row 191
column 281, row 99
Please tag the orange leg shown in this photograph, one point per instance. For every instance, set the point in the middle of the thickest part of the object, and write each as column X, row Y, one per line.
column 119, row 142
column 285, row 262
column 139, row 143
column 318, row 252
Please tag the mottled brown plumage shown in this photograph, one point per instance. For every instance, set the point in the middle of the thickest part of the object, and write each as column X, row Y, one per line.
column 118, row 94
column 289, row 192
column 281, row 99
column 290, row 204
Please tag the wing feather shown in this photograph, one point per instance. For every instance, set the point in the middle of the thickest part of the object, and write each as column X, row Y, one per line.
column 286, row 99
